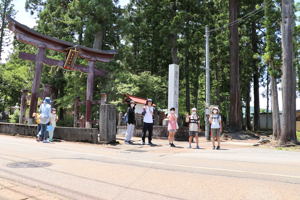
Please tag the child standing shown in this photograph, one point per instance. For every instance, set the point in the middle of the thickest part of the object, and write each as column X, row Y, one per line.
column 38, row 122
column 216, row 126
column 53, row 120
column 194, row 127
column 172, row 126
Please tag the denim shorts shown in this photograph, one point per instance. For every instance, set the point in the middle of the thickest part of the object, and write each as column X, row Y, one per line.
column 193, row 133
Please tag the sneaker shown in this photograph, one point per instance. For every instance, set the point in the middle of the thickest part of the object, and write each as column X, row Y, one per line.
column 173, row 145
column 197, row 147
column 218, row 147
column 214, row 148
column 190, row 146
column 127, row 142
column 45, row 141
column 143, row 143
column 130, row 142
column 150, row 143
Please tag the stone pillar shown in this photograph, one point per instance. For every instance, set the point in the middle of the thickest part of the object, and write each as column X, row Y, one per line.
column 103, row 99
column 120, row 119
column 76, row 111
column 173, row 92
column 108, row 123
column 36, row 82
column 23, row 106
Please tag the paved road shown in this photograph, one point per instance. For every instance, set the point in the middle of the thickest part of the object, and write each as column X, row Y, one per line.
column 65, row 170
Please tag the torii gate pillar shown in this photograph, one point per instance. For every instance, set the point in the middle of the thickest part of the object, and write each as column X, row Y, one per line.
column 36, row 82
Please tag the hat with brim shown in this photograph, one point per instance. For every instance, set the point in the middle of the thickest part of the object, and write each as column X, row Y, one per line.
column 216, row 108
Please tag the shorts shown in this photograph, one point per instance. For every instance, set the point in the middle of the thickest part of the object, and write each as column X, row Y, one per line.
column 172, row 130
column 215, row 132
column 193, row 133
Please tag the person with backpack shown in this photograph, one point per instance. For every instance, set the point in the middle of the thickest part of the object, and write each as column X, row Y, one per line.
column 130, row 121
column 45, row 110
column 148, row 112
column 194, row 127
column 216, row 126
column 172, row 126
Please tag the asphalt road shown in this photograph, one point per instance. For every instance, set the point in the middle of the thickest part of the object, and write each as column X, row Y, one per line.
column 65, row 170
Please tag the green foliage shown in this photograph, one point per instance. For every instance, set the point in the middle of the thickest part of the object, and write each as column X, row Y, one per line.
column 14, row 118
column 15, row 76
column 142, row 85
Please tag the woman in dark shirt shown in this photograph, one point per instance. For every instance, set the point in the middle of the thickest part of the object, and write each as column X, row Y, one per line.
column 130, row 122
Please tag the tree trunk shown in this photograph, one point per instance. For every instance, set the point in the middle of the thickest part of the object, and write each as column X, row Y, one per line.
column 196, row 85
column 235, row 122
column 174, row 49
column 187, row 83
column 5, row 7
column 268, row 92
column 255, row 79
column 275, row 109
column 98, row 41
column 288, row 132
column 173, row 38
column 248, row 115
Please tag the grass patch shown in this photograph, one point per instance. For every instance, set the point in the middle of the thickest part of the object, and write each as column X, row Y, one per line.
column 295, row 148
column 298, row 135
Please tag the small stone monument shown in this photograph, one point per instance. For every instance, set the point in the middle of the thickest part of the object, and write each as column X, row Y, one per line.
column 108, row 123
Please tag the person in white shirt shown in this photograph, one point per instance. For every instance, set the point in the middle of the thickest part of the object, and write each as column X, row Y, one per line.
column 216, row 126
column 148, row 121
column 45, row 110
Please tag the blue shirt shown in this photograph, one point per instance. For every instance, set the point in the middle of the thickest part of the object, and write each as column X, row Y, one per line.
column 45, row 110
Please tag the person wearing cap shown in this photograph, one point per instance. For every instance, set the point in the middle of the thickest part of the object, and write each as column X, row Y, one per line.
column 216, row 126
column 130, row 122
column 194, row 127
column 148, row 111
column 45, row 110
column 53, row 120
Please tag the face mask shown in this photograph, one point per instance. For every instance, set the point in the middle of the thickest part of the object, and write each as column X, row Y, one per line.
column 132, row 105
column 215, row 112
column 172, row 112
column 194, row 112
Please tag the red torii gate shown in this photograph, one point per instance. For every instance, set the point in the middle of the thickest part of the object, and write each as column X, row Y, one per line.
column 43, row 42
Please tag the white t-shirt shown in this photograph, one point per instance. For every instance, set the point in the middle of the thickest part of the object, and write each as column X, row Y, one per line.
column 216, row 120
column 148, row 118
column 194, row 126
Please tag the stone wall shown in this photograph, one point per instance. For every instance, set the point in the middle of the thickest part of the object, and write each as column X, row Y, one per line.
column 63, row 133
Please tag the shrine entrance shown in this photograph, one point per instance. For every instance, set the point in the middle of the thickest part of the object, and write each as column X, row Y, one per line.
column 43, row 42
